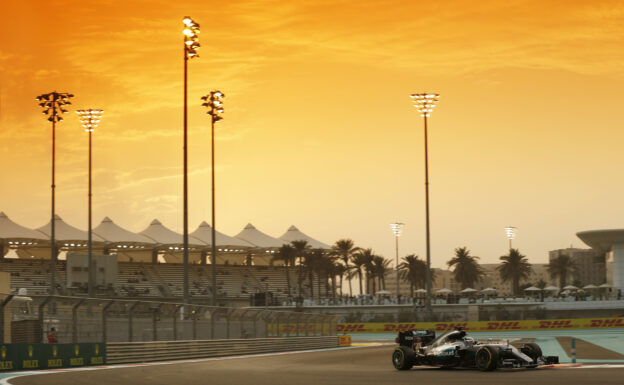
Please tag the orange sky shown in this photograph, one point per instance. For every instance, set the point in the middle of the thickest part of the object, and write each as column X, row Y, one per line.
column 319, row 130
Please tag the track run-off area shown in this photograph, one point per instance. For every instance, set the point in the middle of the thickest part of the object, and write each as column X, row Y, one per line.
column 363, row 364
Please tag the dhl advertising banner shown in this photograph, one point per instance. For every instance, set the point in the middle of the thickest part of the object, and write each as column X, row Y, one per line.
column 48, row 356
column 291, row 329
column 484, row 326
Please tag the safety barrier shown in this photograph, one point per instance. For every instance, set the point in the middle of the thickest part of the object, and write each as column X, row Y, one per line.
column 129, row 352
column 50, row 356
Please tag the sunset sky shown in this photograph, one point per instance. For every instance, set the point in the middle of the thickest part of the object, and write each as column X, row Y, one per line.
column 318, row 129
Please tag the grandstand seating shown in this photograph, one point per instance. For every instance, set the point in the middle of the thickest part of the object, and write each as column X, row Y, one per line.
column 33, row 275
column 159, row 281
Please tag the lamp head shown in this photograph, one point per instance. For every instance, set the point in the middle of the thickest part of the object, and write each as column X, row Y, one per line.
column 425, row 103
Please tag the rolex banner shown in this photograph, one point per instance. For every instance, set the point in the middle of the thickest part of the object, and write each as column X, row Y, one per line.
column 50, row 356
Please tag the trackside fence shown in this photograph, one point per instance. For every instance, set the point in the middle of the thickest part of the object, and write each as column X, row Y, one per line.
column 96, row 320
column 120, row 352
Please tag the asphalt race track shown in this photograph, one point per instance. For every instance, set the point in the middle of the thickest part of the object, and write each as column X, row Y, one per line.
column 357, row 366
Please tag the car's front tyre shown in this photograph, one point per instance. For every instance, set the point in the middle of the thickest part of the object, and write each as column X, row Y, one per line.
column 403, row 358
column 486, row 358
column 532, row 350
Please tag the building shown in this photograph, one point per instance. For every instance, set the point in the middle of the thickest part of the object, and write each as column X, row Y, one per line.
column 590, row 265
column 611, row 242
column 493, row 279
column 443, row 279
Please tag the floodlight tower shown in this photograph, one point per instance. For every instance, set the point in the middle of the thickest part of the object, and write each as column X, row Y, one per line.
column 191, row 45
column 53, row 107
column 214, row 102
column 396, row 230
column 425, row 103
column 511, row 232
column 90, row 119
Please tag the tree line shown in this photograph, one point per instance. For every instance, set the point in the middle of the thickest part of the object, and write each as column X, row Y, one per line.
column 345, row 261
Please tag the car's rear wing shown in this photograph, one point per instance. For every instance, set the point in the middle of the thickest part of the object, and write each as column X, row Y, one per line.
column 413, row 337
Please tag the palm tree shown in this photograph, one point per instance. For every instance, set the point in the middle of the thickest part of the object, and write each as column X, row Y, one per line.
column 286, row 254
column 365, row 259
column 340, row 270
column 330, row 268
column 380, row 268
column 313, row 264
column 514, row 267
column 301, row 249
column 414, row 271
column 467, row 270
column 561, row 267
column 360, row 260
column 345, row 249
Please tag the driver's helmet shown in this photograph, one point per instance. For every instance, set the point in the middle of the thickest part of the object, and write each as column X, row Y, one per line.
column 469, row 340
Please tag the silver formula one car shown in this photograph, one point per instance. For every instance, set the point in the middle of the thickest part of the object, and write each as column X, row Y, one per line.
column 456, row 349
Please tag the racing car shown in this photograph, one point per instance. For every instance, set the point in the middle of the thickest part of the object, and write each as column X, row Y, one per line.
column 456, row 349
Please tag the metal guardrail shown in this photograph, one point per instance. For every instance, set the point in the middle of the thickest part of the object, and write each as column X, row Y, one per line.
column 81, row 319
column 174, row 350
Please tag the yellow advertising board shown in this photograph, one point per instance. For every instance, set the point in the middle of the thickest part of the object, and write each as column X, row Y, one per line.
column 484, row 326
column 344, row 340
column 476, row 326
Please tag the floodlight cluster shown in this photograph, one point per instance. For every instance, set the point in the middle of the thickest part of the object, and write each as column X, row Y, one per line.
column 53, row 104
column 214, row 102
column 191, row 39
column 425, row 103
column 396, row 228
column 90, row 118
column 511, row 232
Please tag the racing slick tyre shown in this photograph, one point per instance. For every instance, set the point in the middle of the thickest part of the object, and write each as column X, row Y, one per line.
column 403, row 358
column 532, row 350
column 486, row 358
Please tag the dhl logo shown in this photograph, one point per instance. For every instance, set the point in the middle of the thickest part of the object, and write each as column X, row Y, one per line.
column 351, row 328
column 607, row 323
column 512, row 325
column 563, row 324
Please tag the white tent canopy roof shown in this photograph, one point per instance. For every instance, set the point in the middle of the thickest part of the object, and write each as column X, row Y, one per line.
column 293, row 234
column 532, row 288
column 10, row 230
column 258, row 238
column 162, row 235
column 65, row 232
column 112, row 233
column 551, row 288
column 204, row 234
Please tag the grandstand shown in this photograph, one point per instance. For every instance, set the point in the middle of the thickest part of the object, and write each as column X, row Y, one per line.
column 162, row 280
column 148, row 263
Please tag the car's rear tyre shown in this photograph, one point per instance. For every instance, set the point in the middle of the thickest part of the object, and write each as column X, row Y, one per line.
column 486, row 358
column 532, row 350
column 403, row 358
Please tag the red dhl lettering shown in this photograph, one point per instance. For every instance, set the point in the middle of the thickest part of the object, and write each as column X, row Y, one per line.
column 354, row 328
column 612, row 322
column 398, row 327
column 404, row 327
column 440, row 327
column 563, row 324
column 515, row 325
